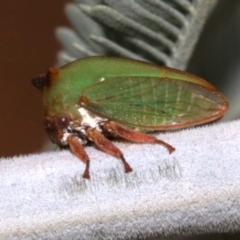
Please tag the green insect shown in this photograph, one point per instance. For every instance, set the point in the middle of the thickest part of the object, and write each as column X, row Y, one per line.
column 92, row 98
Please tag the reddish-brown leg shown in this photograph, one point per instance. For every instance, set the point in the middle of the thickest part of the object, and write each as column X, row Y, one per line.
column 133, row 135
column 107, row 146
column 78, row 150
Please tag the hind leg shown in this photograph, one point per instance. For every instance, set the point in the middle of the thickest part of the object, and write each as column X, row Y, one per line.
column 134, row 136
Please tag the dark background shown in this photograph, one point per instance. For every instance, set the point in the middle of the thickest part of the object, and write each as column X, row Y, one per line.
column 28, row 47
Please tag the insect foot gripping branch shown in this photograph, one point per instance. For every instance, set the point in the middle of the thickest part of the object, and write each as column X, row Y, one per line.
column 90, row 98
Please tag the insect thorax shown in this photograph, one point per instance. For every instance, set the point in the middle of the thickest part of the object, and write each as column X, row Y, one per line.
column 87, row 120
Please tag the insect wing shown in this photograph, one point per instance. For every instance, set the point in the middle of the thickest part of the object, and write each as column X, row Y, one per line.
column 152, row 103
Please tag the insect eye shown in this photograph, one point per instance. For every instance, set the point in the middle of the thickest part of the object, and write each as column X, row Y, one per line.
column 62, row 121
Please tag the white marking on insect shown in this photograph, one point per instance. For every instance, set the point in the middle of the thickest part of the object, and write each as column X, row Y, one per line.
column 102, row 79
column 90, row 120
column 64, row 138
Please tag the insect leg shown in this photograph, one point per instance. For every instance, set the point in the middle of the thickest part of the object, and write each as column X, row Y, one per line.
column 134, row 136
column 78, row 150
column 107, row 146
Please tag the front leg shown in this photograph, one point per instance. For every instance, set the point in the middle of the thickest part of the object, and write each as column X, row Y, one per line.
column 78, row 150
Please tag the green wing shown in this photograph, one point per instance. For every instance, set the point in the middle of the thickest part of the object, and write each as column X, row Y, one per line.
column 151, row 103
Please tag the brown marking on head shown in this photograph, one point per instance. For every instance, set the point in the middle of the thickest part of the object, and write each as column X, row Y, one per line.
column 52, row 75
column 46, row 80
